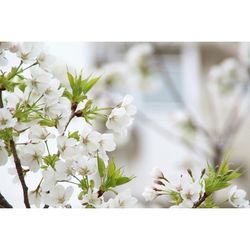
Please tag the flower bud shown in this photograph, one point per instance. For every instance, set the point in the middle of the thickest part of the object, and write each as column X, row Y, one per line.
column 157, row 173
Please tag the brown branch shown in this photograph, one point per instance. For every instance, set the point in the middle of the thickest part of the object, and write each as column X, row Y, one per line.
column 200, row 201
column 4, row 203
column 20, row 173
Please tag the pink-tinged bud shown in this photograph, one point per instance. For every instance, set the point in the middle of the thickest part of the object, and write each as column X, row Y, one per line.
column 156, row 173
column 14, row 47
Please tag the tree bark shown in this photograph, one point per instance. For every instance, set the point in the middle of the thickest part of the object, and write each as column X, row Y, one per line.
column 20, row 173
column 4, row 203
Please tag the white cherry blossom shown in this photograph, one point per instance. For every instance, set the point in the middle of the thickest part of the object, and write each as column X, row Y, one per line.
column 91, row 198
column 6, row 119
column 38, row 133
column 156, row 173
column 85, row 166
column 64, row 170
column 237, row 197
column 68, row 147
column 123, row 200
column 118, row 120
column 59, row 196
column 191, row 192
column 35, row 198
column 90, row 139
column 17, row 97
column 39, row 81
column 53, row 93
column 29, row 51
column 106, row 144
column 32, row 155
column 127, row 104
column 46, row 61
column 49, row 179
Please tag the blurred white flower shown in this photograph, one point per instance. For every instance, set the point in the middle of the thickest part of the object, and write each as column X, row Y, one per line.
column 3, row 154
column 29, row 51
column 6, row 119
column 31, row 155
column 149, row 194
column 14, row 47
column 138, row 54
column 237, row 197
column 45, row 61
column 113, row 74
column 228, row 74
column 5, row 45
column 156, row 173
column 3, row 59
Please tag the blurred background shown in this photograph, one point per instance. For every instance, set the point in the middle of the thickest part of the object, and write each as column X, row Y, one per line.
column 192, row 101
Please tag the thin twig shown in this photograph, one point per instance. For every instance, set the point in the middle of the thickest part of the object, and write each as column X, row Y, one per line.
column 201, row 200
column 169, row 134
column 179, row 96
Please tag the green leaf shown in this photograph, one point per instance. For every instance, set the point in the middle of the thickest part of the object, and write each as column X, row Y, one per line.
column 89, row 84
column 208, row 203
column 75, row 135
column 101, row 166
column 221, row 179
column 68, row 94
column 111, row 168
column 71, row 79
column 47, row 122
column 51, row 160
column 224, row 167
column 6, row 134
column 122, row 180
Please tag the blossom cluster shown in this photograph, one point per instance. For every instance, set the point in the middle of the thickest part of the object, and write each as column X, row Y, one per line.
column 181, row 190
column 195, row 189
column 47, row 129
